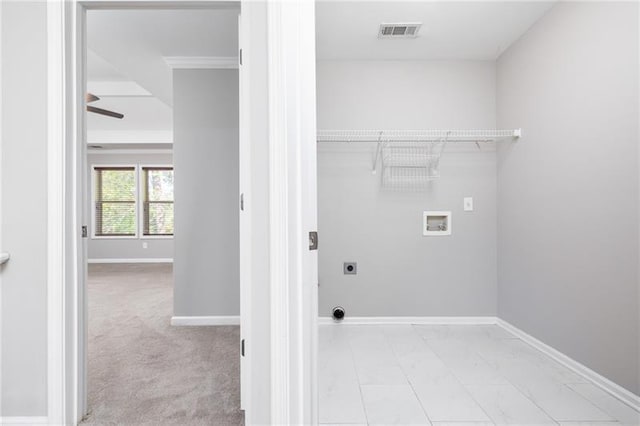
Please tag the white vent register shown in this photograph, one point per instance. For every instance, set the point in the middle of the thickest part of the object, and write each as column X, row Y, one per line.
column 399, row 30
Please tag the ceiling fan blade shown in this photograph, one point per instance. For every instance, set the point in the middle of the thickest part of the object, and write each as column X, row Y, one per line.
column 104, row 112
column 90, row 97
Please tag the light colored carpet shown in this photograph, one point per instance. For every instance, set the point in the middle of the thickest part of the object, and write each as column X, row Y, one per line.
column 143, row 371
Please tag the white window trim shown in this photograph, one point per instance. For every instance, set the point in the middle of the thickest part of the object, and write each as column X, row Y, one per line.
column 141, row 209
column 93, row 203
column 139, row 200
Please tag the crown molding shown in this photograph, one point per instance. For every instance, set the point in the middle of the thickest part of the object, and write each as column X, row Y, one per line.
column 202, row 62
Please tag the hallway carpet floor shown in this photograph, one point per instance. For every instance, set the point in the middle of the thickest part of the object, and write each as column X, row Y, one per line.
column 142, row 370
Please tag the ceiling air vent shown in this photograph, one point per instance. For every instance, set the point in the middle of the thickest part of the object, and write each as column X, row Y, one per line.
column 399, row 30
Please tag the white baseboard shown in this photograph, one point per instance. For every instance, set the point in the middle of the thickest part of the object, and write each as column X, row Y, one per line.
column 211, row 320
column 409, row 320
column 141, row 260
column 23, row 420
column 605, row 384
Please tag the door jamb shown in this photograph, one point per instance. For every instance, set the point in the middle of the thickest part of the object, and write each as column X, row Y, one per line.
column 292, row 211
column 292, row 333
column 66, row 169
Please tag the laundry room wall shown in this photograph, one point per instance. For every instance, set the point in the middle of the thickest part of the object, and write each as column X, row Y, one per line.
column 401, row 272
column 568, row 191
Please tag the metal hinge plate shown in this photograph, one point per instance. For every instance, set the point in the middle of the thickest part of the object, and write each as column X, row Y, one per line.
column 242, row 347
column 85, row 231
column 313, row 240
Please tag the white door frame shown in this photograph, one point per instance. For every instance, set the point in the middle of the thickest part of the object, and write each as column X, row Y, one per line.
column 292, row 146
column 293, row 277
column 1, row 246
column 244, row 154
column 67, row 190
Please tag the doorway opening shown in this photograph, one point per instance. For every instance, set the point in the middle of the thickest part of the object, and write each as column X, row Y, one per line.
column 161, row 194
column 434, row 213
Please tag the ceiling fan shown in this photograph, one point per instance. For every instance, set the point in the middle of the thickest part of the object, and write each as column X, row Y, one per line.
column 90, row 97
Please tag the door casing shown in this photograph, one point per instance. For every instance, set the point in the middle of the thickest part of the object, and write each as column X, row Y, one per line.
column 292, row 192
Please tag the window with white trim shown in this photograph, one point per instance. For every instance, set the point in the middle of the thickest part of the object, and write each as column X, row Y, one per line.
column 132, row 201
column 157, row 201
column 115, row 201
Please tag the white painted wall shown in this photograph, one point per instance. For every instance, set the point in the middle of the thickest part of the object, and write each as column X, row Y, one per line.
column 568, row 191
column 206, row 174
column 400, row 272
column 119, row 248
column 23, row 230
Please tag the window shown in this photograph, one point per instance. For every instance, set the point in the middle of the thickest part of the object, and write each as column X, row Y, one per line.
column 157, row 195
column 115, row 201
column 132, row 201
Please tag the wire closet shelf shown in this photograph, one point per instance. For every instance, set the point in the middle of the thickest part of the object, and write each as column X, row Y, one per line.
column 416, row 135
column 410, row 159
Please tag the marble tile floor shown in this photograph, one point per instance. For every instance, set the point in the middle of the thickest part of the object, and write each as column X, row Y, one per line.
column 452, row 375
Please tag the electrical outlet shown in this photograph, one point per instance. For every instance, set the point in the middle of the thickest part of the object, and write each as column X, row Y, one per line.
column 350, row 268
column 468, row 204
column 145, row 245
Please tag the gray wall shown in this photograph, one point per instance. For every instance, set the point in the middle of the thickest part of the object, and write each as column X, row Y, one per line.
column 23, row 226
column 118, row 248
column 206, row 169
column 400, row 272
column 568, row 191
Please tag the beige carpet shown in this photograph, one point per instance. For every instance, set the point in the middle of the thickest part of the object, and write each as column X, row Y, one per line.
column 143, row 371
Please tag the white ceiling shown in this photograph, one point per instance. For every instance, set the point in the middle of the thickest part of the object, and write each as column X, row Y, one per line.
column 140, row 112
column 134, row 42
column 128, row 46
column 100, row 70
column 450, row 30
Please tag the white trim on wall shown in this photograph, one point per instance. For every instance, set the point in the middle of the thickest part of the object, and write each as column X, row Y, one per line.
column 205, row 320
column 56, row 217
column 482, row 320
column 123, row 151
column 1, row 245
column 293, row 286
column 23, row 420
column 597, row 379
column 138, row 137
column 245, row 215
column 202, row 62
column 132, row 260
column 282, row 367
